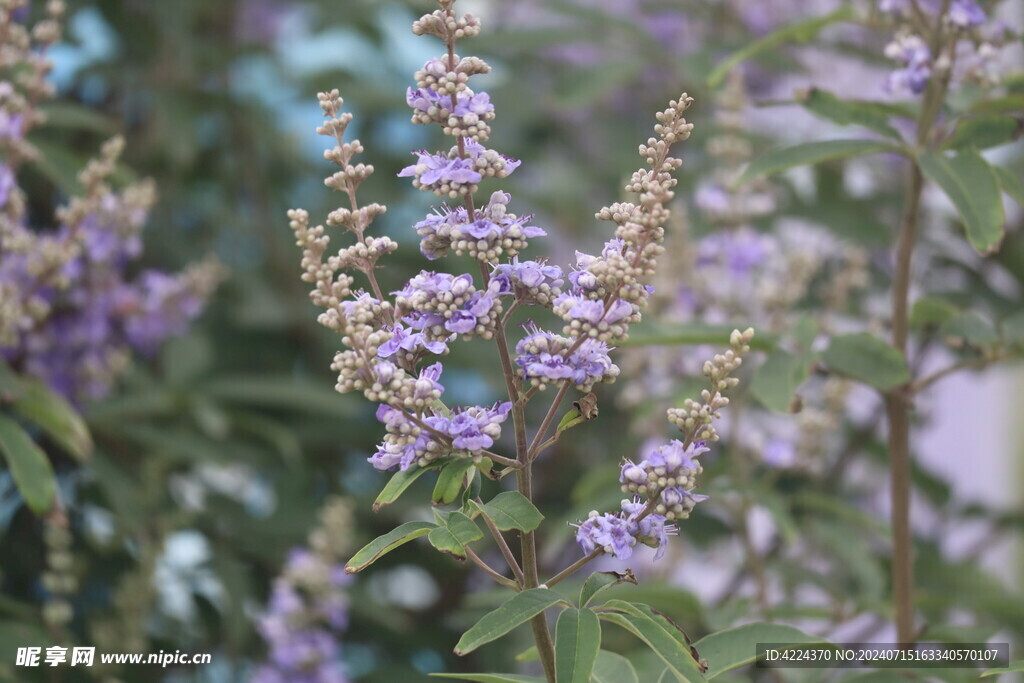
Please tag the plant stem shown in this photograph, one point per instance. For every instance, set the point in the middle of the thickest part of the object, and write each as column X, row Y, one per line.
column 503, row 546
column 524, row 479
column 897, row 405
column 565, row 573
column 504, row 581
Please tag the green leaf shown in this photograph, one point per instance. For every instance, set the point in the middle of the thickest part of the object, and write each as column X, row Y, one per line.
column 493, row 678
column 577, row 641
column 512, row 510
column 77, row 117
column 692, row 334
column 811, row 153
column 932, row 311
column 11, row 385
column 777, row 379
column 734, row 647
column 871, row 115
column 675, row 655
column 382, row 545
column 530, row 654
column 30, row 468
column 868, row 359
column 453, row 538
column 520, row 608
column 570, row 420
column 982, row 132
column 613, row 668
column 599, row 581
column 971, row 328
column 54, row 415
column 973, row 187
column 450, row 481
column 1010, row 668
column 1012, row 328
column 1010, row 183
column 800, row 32
column 397, row 485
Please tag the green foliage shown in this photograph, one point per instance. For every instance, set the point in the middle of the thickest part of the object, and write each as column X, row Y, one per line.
column 692, row 334
column 811, row 153
column 868, row 359
column 734, row 647
column 382, row 545
column 577, row 641
column 29, row 466
column 600, row 581
column 871, row 115
column 450, row 481
column 800, row 32
column 613, row 668
column 519, row 609
column 777, row 379
column 457, row 533
column 973, row 187
column 511, row 510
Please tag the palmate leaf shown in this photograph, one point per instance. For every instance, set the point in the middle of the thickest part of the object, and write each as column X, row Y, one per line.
column 30, row 467
column 811, row 153
column 577, row 641
column 973, row 187
column 518, row 610
column 735, row 647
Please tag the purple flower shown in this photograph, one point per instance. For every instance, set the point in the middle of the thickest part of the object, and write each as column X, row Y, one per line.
column 673, row 456
column 410, row 342
column 608, row 532
column 7, row 184
column 966, row 13
column 915, row 56
column 475, row 428
column 434, row 169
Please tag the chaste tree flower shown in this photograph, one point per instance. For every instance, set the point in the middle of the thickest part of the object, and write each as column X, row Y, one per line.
column 71, row 312
column 390, row 344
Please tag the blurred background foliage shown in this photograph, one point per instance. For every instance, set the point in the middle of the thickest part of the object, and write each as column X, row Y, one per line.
column 213, row 459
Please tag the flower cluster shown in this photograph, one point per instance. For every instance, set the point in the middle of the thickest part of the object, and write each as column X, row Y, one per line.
column 308, row 607
column 958, row 43
column 597, row 300
column 441, row 305
column 70, row 314
column 530, row 282
column 667, row 476
column 409, row 441
column 546, row 357
column 457, row 172
column 616, row 533
column 492, row 233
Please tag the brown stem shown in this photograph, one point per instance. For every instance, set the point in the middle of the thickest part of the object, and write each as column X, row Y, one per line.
column 503, row 546
column 565, row 573
column 548, row 419
column 504, row 581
